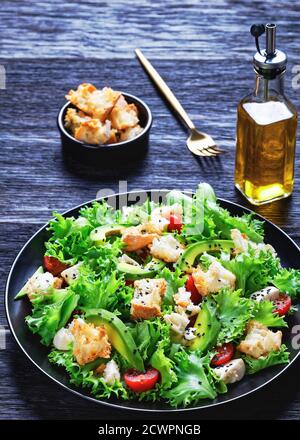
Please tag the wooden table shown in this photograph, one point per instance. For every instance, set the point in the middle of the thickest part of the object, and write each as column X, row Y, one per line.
column 203, row 49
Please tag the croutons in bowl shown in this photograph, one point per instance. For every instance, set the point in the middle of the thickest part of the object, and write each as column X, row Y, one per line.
column 100, row 122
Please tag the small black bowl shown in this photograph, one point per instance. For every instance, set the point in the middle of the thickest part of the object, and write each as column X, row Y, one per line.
column 131, row 148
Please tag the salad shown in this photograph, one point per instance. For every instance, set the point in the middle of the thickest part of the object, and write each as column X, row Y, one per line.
column 169, row 302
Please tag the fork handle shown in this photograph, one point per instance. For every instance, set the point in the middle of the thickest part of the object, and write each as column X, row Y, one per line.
column 165, row 90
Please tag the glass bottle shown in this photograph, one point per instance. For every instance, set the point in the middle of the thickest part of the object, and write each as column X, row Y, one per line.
column 266, row 131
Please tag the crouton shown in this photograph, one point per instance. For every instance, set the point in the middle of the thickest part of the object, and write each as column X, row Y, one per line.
column 123, row 115
column 214, row 279
column 178, row 322
column 259, row 340
column 130, row 133
column 94, row 132
column 90, row 342
column 166, row 248
column 147, row 298
column 96, row 103
column 136, row 238
column 74, row 119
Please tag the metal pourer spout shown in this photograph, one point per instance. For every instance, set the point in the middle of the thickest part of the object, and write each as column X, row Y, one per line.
column 270, row 40
column 271, row 61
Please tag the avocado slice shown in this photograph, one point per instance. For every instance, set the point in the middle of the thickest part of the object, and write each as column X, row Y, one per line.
column 133, row 272
column 189, row 256
column 100, row 233
column 207, row 327
column 24, row 290
column 118, row 334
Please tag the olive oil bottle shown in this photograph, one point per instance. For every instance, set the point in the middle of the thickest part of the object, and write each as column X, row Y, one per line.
column 266, row 128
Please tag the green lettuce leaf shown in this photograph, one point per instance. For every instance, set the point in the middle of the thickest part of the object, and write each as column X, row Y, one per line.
column 234, row 312
column 175, row 280
column 100, row 214
column 51, row 312
column 288, row 281
column 195, row 380
column 147, row 334
column 68, row 241
column 165, row 366
column 253, row 270
column 100, row 285
column 97, row 292
column 274, row 358
column 263, row 313
column 85, row 377
column 225, row 222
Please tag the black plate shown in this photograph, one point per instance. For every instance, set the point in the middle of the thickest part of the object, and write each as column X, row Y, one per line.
column 30, row 257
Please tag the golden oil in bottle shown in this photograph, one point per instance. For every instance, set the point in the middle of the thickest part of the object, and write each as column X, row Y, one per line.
column 266, row 134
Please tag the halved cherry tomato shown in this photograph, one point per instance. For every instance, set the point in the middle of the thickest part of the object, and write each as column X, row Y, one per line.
column 282, row 304
column 175, row 223
column 129, row 282
column 190, row 286
column 224, row 354
column 54, row 266
column 140, row 382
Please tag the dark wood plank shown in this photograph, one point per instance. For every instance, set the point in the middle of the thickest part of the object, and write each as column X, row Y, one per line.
column 174, row 29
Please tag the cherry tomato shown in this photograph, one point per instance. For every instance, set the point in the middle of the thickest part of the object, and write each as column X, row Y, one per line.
column 54, row 266
column 282, row 304
column 190, row 286
column 129, row 282
column 175, row 223
column 140, row 382
column 224, row 354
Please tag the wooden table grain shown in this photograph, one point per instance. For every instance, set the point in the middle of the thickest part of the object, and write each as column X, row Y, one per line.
column 203, row 49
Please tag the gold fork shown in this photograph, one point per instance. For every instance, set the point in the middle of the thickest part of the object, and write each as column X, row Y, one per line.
column 200, row 144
